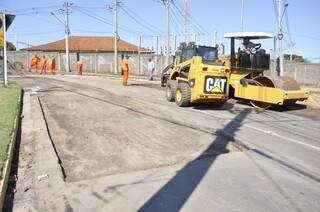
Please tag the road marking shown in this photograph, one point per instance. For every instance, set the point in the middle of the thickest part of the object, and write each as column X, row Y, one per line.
column 270, row 133
column 285, row 138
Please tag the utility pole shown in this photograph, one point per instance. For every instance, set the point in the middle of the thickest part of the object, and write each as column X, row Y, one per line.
column 167, row 4
column 5, row 65
column 215, row 36
column 139, row 54
column 242, row 11
column 115, row 9
column 280, row 35
column 281, row 12
column 67, row 33
column 275, row 56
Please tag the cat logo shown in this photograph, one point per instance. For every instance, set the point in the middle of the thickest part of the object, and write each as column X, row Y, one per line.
column 215, row 85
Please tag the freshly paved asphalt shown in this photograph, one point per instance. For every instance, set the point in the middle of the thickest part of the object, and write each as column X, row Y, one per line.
column 128, row 149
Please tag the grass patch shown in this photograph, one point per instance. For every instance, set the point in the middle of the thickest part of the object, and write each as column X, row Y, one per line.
column 9, row 99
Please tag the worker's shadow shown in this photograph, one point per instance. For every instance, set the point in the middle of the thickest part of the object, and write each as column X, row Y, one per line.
column 175, row 193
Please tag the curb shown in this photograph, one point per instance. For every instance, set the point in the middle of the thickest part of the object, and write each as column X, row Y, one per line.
column 7, row 164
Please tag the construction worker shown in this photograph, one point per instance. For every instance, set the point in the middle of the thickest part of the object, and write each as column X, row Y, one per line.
column 79, row 66
column 122, row 58
column 34, row 63
column 43, row 65
column 37, row 60
column 125, row 68
column 31, row 64
column 52, row 65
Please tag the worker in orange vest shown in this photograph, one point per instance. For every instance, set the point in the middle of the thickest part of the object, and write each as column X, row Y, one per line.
column 79, row 66
column 32, row 62
column 43, row 65
column 52, row 65
column 36, row 62
column 125, row 69
column 122, row 58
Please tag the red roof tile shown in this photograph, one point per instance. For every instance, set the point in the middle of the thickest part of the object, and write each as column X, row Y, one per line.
column 86, row 44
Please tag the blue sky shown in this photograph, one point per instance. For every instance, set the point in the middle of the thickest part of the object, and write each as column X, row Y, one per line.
column 220, row 15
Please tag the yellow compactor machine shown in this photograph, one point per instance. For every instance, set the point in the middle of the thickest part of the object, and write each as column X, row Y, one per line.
column 200, row 75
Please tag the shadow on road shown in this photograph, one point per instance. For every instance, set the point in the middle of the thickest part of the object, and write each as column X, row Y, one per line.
column 147, row 85
column 292, row 107
column 173, row 195
column 278, row 108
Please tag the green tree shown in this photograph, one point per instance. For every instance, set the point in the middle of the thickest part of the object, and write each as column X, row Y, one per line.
column 296, row 58
column 11, row 46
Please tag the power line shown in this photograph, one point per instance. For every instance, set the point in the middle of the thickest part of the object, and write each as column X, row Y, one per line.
column 31, row 13
column 103, row 20
column 93, row 8
column 139, row 17
column 35, row 8
column 306, row 36
column 36, row 16
column 90, row 31
column 288, row 29
column 93, row 16
column 137, row 21
column 36, row 33
column 175, row 20
column 34, row 11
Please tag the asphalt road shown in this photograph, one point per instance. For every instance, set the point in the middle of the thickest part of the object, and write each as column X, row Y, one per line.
column 128, row 149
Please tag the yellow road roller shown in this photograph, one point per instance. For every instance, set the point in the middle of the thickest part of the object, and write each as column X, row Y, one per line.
column 200, row 75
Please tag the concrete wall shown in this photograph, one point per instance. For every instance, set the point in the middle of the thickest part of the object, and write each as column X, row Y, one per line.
column 304, row 73
column 93, row 62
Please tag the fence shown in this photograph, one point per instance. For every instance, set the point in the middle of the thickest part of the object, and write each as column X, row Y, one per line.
column 304, row 73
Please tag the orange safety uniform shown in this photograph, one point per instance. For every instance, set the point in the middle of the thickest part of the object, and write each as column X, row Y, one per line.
column 79, row 66
column 31, row 64
column 125, row 69
column 36, row 62
column 43, row 65
column 52, row 66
